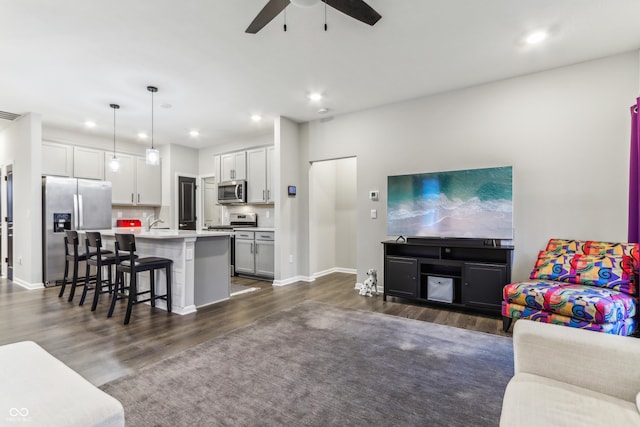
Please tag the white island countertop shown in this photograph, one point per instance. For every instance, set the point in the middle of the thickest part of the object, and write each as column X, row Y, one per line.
column 163, row 233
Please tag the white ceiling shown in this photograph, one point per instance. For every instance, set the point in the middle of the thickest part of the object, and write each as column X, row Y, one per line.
column 69, row 59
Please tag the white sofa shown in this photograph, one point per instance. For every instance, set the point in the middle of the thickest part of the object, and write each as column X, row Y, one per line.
column 572, row 377
column 36, row 389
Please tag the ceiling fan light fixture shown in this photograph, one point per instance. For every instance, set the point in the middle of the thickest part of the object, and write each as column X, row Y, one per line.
column 114, row 163
column 305, row 3
column 152, row 156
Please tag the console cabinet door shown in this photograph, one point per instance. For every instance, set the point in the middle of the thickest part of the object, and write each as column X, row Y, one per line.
column 401, row 277
column 483, row 284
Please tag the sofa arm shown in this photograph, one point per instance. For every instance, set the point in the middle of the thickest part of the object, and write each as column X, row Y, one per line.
column 601, row 362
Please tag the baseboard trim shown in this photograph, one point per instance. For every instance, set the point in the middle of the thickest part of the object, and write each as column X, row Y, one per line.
column 292, row 280
column 27, row 285
column 335, row 270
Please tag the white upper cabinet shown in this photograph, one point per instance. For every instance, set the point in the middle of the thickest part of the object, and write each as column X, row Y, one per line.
column 57, row 159
column 135, row 183
column 233, row 166
column 259, row 165
column 149, row 183
column 123, row 184
column 270, row 156
column 88, row 163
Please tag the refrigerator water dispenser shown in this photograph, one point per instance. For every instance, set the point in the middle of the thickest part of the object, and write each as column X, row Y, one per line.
column 61, row 222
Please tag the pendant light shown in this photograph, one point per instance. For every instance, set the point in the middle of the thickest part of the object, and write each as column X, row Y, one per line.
column 114, row 163
column 153, row 155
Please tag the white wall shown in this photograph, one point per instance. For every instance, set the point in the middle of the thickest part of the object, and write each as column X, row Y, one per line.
column 20, row 145
column 564, row 131
column 332, row 215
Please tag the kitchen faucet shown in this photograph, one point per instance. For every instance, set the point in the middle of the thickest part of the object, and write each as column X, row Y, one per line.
column 152, row 223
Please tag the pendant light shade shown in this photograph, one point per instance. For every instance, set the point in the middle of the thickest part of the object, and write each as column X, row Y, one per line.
column 114, row 163
column 153, row 155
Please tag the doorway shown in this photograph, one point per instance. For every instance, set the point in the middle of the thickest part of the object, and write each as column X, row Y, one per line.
column 187, row 216
column 332, row 216
column 9, row 221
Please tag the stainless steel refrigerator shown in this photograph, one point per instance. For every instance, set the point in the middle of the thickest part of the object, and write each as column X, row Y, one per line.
column 70, row 204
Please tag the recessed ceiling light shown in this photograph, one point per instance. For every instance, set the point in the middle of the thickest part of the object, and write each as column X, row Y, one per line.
column 315, row 96
column 536, row 37
column 194, row 133
column 90, row 124
column 256, row 117
column 142, row 135
column 323, row 110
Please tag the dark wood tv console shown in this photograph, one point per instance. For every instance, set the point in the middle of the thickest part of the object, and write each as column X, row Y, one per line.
column 459, row 273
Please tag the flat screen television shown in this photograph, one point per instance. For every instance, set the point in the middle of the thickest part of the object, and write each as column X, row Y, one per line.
column 472, row 203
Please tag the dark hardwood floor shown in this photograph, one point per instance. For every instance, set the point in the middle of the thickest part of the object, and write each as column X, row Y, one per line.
column 102, row 349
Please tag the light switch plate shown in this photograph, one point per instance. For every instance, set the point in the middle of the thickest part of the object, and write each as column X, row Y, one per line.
column 374, row 213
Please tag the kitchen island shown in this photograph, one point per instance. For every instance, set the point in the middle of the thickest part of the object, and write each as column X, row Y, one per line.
column 201, row 262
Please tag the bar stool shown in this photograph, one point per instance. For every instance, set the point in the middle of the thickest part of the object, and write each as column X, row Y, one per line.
column 98, row 257
column 72, row 255
column 127, row 243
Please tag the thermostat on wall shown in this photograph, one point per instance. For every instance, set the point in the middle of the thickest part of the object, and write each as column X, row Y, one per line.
column 291, row 190
column 373, row 195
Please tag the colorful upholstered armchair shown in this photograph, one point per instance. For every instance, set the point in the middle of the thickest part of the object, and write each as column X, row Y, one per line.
column 584, row 284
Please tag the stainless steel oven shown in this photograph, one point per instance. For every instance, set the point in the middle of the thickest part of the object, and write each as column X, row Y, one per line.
column 236, row 220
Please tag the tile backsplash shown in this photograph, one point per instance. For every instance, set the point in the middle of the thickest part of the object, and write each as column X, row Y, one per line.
column 265, row 213
column 131, row 212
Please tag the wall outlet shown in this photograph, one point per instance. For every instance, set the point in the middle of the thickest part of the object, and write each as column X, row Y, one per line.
column 20, row 260
column 119, row 214
column 290, row 259
column 268, row 213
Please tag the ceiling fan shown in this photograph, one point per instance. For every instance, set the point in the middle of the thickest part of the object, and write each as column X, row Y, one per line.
column 356, row 9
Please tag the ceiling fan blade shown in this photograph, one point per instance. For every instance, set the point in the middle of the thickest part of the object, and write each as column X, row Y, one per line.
column 270, row 11
column 356, row 9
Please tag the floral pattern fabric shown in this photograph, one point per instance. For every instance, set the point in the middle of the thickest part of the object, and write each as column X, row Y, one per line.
column 585, row 284
column 624, row 327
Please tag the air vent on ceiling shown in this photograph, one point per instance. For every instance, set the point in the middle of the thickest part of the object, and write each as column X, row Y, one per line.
column 8, row 116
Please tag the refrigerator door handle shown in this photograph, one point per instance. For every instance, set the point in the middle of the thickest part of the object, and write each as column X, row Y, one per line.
column 75, row 211
column 80, row 212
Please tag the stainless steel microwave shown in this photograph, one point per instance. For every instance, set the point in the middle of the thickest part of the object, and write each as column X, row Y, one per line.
column 232, row 192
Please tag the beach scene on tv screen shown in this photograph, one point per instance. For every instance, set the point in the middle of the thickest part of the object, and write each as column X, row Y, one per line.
column 473, row 203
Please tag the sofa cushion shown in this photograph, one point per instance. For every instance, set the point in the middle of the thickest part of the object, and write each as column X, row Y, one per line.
column 40, row 390
column 564, row 246
column 562, row 404
column 552, row 266
column 623, row 327
column 607, row 271
column 588, row 303
column 592, row 247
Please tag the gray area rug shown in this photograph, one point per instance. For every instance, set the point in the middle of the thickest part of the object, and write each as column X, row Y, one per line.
column 319, row 365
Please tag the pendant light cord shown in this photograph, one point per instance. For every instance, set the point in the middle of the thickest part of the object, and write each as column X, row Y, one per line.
column 114, row 131
column 152, row 119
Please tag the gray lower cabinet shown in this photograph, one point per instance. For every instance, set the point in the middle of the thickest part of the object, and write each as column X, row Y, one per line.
column 244, row 262
column 254, row 253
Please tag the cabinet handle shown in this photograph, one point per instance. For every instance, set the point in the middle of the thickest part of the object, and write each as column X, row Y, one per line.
column 268, row 194
column 256, row 248
column 263, row 195
column 138, row 197
column 251, row 249
column 131, row 197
